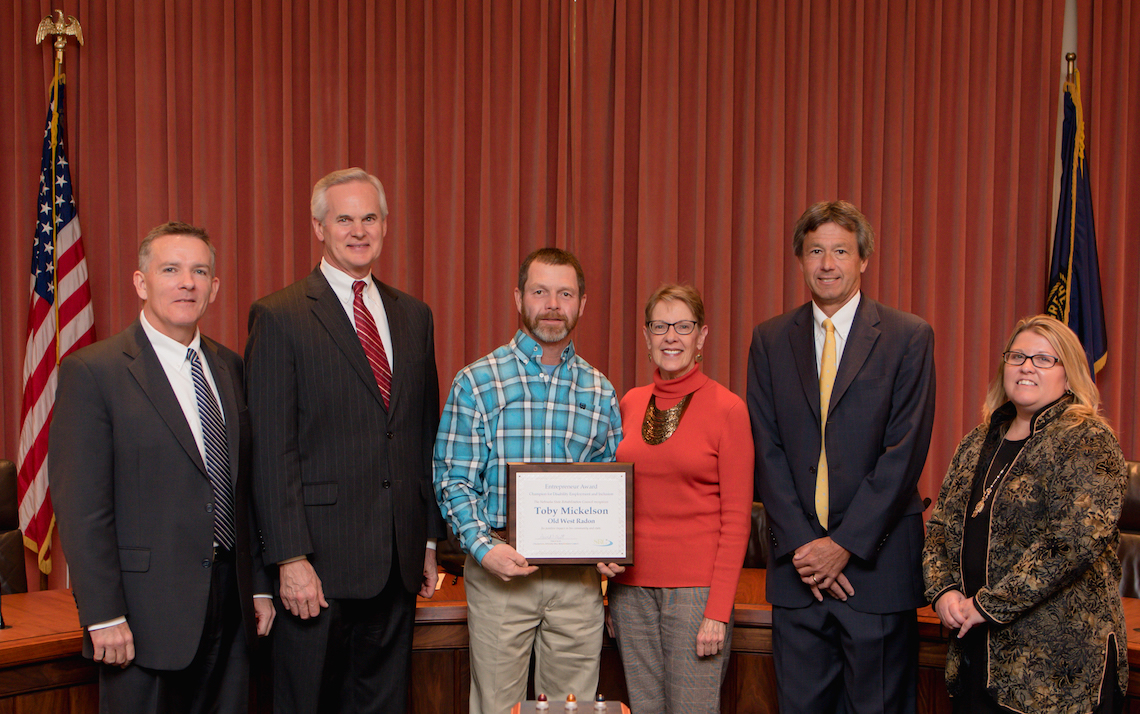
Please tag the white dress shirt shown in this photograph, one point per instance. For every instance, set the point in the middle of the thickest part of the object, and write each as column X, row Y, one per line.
column 842, row 320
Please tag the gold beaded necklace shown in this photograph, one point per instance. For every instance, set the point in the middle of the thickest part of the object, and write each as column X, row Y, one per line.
column 659, row 424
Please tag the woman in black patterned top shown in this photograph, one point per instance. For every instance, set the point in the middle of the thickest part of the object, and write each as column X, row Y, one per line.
column 1020, row 554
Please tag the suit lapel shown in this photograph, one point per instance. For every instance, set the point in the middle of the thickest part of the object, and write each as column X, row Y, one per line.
column 329, row 311
column 225, row 384
column 864, row 334
column 802, row 338
column 396, row 327
column 151, row 377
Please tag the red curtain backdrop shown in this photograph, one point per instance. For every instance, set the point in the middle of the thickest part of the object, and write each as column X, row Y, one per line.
column 659, row 140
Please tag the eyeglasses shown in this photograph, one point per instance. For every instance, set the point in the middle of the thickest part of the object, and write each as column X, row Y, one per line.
column 1040, row 361
column 681, row 327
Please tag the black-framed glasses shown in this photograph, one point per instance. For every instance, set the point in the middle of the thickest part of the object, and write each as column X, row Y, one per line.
column 1040, row 361
column 681, row 327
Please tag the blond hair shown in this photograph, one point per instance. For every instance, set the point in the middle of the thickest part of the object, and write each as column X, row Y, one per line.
column 1085, row 405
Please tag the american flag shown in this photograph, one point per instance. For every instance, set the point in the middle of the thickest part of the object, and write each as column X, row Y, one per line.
column 60, row 321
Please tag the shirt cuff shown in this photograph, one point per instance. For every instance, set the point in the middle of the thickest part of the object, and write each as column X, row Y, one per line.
column 431, row 544
column 267, row 596
column 108, row 623
column 294, row 559
column 479, row 550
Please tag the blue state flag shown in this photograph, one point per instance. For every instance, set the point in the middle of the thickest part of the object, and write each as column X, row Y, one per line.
column 1074, row 295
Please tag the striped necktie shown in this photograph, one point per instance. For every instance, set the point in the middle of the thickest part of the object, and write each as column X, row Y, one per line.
column 370, row 340
column 217, row 453
column 826, row 382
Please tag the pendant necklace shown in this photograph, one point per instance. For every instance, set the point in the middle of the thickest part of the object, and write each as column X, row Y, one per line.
column 988, row 486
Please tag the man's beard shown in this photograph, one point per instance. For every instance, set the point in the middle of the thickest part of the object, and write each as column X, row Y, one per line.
column 549, row 334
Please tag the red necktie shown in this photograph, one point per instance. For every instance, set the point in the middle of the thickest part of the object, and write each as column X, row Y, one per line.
column 370, row 339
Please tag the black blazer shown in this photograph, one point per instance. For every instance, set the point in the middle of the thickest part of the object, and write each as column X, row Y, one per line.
column 337, row 476
column 131, row 494
column 878, row 431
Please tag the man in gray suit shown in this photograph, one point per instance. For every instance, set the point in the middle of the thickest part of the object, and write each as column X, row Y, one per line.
column 841, row 395
column 344, row 399
column 149, row 466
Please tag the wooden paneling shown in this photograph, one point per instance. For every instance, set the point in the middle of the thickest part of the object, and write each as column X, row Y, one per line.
column 932, row 695
column 750, row 687
column 52, row 701
column 433, row 686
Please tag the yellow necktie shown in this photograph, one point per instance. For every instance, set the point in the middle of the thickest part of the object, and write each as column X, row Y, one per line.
column 826, row 382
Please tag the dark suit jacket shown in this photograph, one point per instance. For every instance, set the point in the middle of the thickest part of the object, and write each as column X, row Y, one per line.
column 878, row 431
column 337, row 476
column 131, row 494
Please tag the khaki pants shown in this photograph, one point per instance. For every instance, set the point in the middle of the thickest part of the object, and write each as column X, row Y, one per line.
column 557, row 611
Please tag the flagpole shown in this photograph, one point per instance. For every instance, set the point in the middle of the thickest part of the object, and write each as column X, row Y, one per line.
column 1071, row 66
column 54, row 24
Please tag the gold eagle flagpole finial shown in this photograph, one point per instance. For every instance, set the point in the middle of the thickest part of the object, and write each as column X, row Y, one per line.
column 61, row 29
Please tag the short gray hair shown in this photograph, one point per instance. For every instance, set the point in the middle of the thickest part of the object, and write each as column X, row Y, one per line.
column 320, row 204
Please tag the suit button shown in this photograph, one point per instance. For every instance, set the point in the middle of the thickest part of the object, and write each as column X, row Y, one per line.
column 812, row 469
column 387, row 483
column 390, row 435
column 206, row 563
column 209, row 508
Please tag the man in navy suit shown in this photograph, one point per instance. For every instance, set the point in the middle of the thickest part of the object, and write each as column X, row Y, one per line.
column 344, row 399
column 151, row 487
column 840, row 490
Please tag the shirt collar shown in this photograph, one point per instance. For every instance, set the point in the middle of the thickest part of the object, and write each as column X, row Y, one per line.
column 528, row 349
column 170, row 351
column 341, row 282
column 843, row 318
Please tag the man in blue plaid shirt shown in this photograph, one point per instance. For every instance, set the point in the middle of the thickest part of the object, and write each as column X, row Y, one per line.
column 533, row 399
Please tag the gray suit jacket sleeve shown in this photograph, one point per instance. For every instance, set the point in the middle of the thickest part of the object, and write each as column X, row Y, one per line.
column 82, row 466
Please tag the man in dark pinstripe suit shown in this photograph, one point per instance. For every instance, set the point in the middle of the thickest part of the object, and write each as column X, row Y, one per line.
column 343, row 427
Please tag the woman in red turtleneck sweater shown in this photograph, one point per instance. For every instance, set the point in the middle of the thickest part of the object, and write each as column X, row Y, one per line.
column 691, row 444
